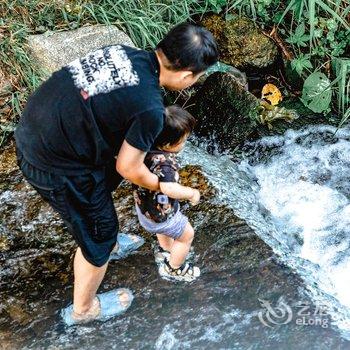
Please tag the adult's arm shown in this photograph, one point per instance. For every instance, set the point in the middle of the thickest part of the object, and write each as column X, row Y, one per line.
column 130, row 165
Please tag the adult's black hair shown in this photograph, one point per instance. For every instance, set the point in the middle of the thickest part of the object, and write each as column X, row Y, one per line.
column 188, row 46
column 178, row 123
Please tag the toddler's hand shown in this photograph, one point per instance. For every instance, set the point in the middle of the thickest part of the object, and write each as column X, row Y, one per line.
column 194, row 200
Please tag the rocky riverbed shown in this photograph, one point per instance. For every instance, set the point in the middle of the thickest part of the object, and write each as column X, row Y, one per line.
column 220, row 310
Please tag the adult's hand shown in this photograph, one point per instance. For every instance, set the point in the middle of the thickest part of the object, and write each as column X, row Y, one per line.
column 130, row 165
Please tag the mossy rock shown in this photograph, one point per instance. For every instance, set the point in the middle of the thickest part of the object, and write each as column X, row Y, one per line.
column 241, row 43
column 226, row 113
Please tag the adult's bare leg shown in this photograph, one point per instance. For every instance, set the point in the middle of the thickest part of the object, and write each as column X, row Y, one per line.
column 87, row 279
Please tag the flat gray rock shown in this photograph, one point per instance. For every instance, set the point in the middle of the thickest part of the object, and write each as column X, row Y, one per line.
column 54, row 50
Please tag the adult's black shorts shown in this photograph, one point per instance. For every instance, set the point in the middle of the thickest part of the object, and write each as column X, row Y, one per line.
column 84, row 203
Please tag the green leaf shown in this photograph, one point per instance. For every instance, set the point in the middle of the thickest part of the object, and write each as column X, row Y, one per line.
column 318, row 33
column 217, row 5
column 300, row 63
column 299, row 37
column 317, row 92
column 300, row 29
column 288, row 8
column 326, row 8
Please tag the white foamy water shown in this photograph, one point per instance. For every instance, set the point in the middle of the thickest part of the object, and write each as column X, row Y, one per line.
column 294, row 191
column 306, row 189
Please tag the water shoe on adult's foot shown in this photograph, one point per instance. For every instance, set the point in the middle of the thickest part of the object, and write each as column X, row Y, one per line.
column 185, row 273
column 105, row 306
column 126, row 244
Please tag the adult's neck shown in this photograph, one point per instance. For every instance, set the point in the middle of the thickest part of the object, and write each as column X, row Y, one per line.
column 162, row 69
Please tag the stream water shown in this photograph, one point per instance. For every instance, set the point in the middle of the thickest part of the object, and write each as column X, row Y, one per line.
column 293, row 192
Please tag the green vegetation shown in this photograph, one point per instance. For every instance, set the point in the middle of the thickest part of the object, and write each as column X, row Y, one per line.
column 315, row 33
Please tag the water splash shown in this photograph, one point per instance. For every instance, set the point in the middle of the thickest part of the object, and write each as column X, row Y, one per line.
column 294, row 191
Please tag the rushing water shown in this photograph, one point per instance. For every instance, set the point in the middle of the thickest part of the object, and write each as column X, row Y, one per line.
column 294, row 190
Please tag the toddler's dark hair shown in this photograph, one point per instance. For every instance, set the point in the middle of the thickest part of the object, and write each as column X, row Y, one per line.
column 177, row 123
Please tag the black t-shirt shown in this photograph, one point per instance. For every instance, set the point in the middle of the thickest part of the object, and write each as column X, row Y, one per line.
column 78, row 119
column 154, row 205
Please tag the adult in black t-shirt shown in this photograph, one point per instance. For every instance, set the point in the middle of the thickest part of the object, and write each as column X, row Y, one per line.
column 89, row 126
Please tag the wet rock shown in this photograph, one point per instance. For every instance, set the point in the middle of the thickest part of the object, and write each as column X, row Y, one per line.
column 9, row 169
column 192, row 176
column 54, row 50
column 34, row 244
column 226, row 112
column 241, row 77
column 5, row 340
column 17, row 311
column 241, row 43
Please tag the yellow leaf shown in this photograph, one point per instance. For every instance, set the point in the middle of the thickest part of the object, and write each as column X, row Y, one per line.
column 271, row 93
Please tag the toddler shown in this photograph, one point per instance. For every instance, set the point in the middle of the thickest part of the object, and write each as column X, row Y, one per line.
column 159, row 212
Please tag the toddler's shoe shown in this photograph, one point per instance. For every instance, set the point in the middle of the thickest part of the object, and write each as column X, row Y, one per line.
column 185, row 273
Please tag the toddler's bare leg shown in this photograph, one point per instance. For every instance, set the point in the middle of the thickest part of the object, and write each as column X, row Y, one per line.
column 181, row 247
column 165, row 242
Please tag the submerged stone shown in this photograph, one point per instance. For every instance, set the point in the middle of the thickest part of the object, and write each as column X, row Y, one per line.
column 241, row 43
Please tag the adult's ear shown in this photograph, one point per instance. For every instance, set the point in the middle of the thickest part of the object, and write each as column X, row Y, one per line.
column 186, row 74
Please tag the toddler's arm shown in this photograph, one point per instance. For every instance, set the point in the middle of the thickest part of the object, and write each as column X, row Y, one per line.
column 177, row 191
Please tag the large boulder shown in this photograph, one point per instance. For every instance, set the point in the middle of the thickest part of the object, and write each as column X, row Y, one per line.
column 241, row 43
column 226, row 113
column 54, row 50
